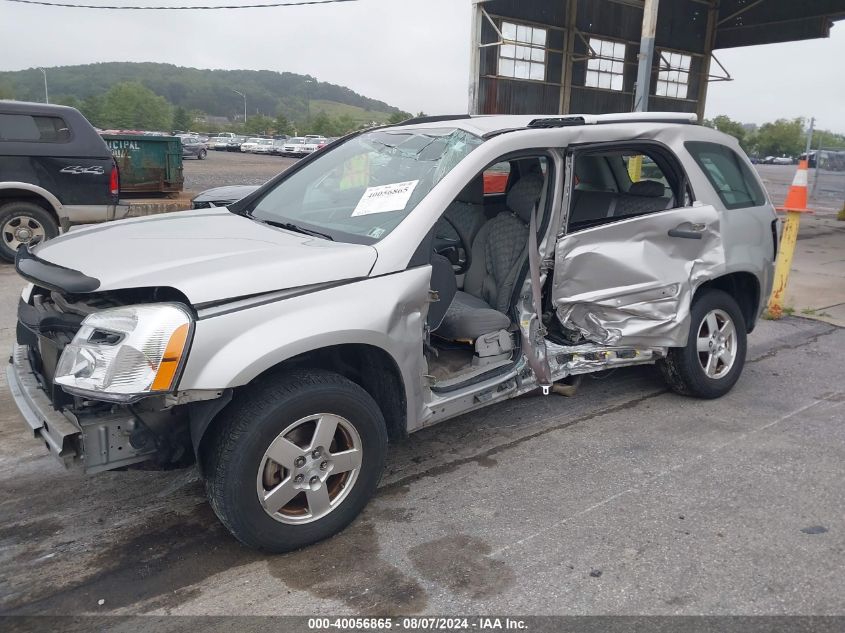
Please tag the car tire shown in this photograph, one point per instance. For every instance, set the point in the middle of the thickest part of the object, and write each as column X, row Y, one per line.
column 714, row 356
column 23, row 222
column 202, row 154
column 241, row 478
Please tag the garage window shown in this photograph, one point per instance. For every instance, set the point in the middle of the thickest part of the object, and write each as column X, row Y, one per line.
column 606, row 65
column 39, row 129
column 523, row 55
column 673, row 75
column 727, row 172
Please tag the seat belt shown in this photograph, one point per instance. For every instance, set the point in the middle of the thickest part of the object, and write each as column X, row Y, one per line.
column 538, row 366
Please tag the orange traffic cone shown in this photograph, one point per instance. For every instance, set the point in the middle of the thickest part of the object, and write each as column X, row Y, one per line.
column 796, row 198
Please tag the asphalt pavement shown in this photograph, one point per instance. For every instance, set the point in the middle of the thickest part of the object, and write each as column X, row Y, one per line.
column 624, row 499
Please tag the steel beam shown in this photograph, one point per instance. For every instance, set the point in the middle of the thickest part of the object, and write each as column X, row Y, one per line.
column 646, row 55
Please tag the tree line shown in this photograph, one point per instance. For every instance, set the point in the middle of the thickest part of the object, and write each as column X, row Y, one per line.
column 783, row 137
column 133, row 106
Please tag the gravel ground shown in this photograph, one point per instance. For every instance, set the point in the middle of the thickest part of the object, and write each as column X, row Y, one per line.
column 232, row 168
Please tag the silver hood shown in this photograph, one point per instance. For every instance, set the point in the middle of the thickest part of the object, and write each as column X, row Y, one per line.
column 207, row 254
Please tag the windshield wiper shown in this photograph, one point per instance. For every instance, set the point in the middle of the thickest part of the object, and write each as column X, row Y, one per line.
column 290, row 226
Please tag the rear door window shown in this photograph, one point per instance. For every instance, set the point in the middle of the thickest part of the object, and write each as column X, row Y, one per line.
column 727, row 172
column 37, row 129
column 619, row 183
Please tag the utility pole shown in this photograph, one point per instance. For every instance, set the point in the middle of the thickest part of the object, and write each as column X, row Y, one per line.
column 46, row 94
column 244, row 96
column 646, row 56
column 810, row 137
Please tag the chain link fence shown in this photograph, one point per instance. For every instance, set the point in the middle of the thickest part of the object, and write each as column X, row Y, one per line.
column 827, row 190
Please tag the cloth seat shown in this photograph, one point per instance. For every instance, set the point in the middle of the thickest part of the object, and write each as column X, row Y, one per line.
column 498, row 255
column 466, row 212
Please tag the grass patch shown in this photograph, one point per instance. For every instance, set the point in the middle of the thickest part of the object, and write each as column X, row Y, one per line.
column 334, row 110
column 841, row 214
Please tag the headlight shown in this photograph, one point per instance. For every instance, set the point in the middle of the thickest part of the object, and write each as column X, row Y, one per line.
column 121, row 353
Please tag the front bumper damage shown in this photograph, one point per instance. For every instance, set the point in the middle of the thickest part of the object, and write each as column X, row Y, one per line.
column 96, row 441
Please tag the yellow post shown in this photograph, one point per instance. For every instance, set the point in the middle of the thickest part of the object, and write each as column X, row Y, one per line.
column 784, row 263
column 635, row 168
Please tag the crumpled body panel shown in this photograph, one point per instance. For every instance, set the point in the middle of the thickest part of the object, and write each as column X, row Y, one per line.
column 630, row 282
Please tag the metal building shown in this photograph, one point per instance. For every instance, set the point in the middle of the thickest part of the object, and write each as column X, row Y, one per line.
column 562, row 56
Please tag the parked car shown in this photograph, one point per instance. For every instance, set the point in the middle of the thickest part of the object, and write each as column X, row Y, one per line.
column 279, row 146
column 313, row 143
column 295, row 147
column 234, row 143
column 783, row 160
column 191, row 146
column 55, row 170
column 221, row 196
column 264, row 146
column 219, row 143
column 376, row 290
column 250, row 144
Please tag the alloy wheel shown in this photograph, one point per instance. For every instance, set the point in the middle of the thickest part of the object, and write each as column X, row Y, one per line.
column 309, row 468
column 716, row 344
column 22, row 229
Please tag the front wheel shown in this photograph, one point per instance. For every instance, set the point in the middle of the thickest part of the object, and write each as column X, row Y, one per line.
column 294, row 459
column 24, row 223
column 712, row 360
column 202, row 154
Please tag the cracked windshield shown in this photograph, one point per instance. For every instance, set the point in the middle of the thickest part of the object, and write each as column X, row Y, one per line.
column 363, row 189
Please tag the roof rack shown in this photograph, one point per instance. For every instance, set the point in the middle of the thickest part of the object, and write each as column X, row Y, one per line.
column 562, row 121
column 621, row 117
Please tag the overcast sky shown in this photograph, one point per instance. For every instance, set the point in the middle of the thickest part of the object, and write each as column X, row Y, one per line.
column 410, row 53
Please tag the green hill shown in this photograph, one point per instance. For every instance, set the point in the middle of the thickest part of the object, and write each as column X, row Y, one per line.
column 209, row 91
column 360, row 115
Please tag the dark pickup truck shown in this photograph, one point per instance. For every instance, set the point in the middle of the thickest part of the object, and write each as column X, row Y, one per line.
column 55, row 170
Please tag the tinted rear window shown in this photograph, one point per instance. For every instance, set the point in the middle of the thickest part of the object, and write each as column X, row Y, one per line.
column 38, row 129
column 727, row 172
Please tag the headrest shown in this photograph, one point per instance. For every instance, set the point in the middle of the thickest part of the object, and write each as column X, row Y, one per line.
column 473, row 193
column 647, row 189
column 524, row 195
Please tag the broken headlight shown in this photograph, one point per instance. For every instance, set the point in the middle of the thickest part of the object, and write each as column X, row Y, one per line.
column 122, row 353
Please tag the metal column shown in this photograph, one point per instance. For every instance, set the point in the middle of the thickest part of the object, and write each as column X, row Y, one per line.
column 646, row 56
column 475, row 56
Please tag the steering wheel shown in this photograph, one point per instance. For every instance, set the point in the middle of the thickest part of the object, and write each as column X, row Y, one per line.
column 461, row 267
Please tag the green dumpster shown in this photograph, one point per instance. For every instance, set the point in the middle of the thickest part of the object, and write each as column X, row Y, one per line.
column 148, row 164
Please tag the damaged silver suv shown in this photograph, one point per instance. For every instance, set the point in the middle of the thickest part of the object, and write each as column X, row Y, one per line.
column 398, row 278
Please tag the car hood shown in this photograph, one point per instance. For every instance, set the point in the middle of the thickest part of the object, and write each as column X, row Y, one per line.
column 208, row 254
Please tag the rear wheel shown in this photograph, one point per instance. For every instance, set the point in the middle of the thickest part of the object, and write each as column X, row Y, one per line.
column 295, row 459
column 712, row 360
column 24, row 223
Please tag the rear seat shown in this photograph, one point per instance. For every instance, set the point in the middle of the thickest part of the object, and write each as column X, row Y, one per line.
column 645, row 196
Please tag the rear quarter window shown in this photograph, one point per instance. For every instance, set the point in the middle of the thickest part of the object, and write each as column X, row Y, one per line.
column 34, row 129
column 728, row 173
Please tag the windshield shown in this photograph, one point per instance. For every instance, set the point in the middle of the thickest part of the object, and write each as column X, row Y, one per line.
column 266, row 141
column 296, row 141
column 254, row 140
column 361, row 190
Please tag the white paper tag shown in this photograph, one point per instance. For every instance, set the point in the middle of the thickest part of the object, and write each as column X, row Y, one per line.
column 385, row 198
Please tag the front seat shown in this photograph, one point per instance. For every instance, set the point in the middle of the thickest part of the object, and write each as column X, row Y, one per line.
column 498, row 254
column 466, row 212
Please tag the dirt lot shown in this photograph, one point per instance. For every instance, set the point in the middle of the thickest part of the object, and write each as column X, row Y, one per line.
column 232, row 168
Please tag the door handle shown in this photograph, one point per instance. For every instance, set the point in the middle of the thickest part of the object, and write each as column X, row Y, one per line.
column 685, row 234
